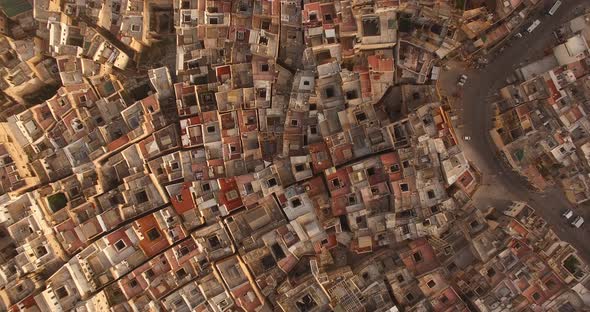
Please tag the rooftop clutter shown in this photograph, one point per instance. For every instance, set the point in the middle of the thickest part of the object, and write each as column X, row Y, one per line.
column 252, row 155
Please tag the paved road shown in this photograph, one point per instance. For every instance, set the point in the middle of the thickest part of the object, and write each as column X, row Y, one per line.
column 501, row 185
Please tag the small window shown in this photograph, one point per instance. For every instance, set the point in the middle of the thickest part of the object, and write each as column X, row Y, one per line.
column 61, row 292
column 296, row 202
column 153, row 234
column 265, row 25
column 213, row 21
column 444, row 299
column 135, row 28
column 417, row 257
column 41, row 251
column 149, row 274
column 206, row 187
column 536, row 296
column 183, row 251
column 294, row 122
column 120, row 245
column 313, row 129
column 351, row 95
column 352, row 200
column 141, row 197
column 328, row 17
column 306, row 82
column 179, row 198
column 406, row 164
column 452, row 267
column 248, row 188
column 313, row 16
column 371, row 171
column 82, row 98
column 214, row 242
column 271, row 182
column 400, row 278
column 409, row 297
column 133, row 283
column 210, row 129
column 336, row 183
column 431, row 194
column 394, row 168
column 491, row 272
column 264, row 67
column 360, row 117
column 330, row 92
column 45, row 113
column 431, row 284
column 261, row 92
column 299, row 167
column 550, row 284
column 175, row 166
column 181, row 273
column 404, row 187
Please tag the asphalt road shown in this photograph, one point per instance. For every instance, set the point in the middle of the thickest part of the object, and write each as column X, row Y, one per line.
column 500, row 184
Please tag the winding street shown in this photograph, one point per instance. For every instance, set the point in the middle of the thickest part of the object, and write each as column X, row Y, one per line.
column 501, row 184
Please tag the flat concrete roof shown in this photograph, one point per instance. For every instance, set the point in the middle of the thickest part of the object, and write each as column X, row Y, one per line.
column 13, row 8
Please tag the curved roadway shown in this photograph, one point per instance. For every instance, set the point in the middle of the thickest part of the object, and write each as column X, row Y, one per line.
column 501, row 184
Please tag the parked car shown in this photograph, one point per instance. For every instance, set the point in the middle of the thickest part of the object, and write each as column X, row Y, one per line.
column 568, row 214
column 534, row 25
column 466, row 138
column 578, row 221
column 462, row 80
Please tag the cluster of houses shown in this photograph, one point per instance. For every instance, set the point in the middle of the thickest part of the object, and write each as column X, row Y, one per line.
column 289, row 156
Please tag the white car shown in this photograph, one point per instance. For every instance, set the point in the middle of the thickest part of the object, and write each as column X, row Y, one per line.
column 534, row 25
column 578, row 221
column 466, row 138
column 462, row 80
column 568, row 214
